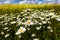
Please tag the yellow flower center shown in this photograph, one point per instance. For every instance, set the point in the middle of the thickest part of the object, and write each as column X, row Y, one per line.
column 28, row 22
column 21, row 30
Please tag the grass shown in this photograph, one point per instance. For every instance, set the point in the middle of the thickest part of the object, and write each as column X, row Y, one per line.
column 14, row 10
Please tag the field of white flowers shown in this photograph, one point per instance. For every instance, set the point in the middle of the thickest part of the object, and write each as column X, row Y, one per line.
column 30, row 24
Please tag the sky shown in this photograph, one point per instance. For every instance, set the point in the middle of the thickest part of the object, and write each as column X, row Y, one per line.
column 29, row 1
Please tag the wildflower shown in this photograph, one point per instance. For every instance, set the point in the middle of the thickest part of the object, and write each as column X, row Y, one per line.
column 51, row 30
column 7, row 35
column 20, row 30
column 38, row 28
column 58, row 19
column 23, row 19
column 22, row 12
column 44, row 22
column 2, row 22
column 35, row 39
column 33, row 35
column 29, row 22
column 54, row 16
column 41, row 18
column 49, row 27
column 50, row 14
column 2, row 16
column 13, row 17
column 2, row 32
column 18, row 16
column 57, row 16
column 5, row 28
column 13, row 22
column 47, row 19
column 5, row 23
column 40, row 23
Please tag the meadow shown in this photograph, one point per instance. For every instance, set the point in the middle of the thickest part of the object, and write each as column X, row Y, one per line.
column 30, row 22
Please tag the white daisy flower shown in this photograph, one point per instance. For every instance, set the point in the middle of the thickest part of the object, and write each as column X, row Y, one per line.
column 40, row 23
column 2, row 32
column 51, row 13
column 33, row 35
column 7, row 35
column 49, row 27
column 5, row 28
column 51, row 30
column 54, row 16
column 44, row 22
column 29, row 22
column 47, row 19
column 5, row 23
column 58, row 19
column 20, row 30
column 13, row 22
column 2, row 16
column 13, row 17
column 35, row 39
column 41, row 18
column 2, row 22
column 18, row 16
column 22, row 12
column 38, row 28
column 57, row 16
column 23, row 19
